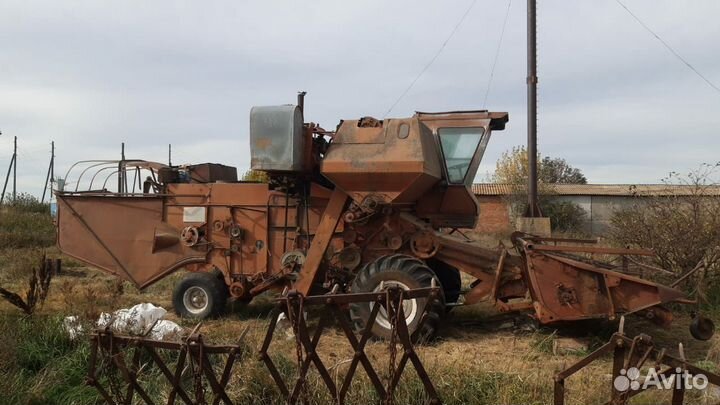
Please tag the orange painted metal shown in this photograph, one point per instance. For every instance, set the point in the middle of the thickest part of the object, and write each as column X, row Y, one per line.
column 375, row 188
column 321, row 241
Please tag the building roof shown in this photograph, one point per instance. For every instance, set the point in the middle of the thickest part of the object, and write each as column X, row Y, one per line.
column 493, row 189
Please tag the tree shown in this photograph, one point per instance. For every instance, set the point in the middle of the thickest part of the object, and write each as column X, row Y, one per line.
column 255, row 176
column 681, row 226
column 559, row 171
column 512, row 168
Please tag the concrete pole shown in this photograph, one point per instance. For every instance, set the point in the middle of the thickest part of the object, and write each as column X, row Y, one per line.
column 532, row 210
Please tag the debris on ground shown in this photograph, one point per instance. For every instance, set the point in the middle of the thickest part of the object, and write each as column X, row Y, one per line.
column 140, row 320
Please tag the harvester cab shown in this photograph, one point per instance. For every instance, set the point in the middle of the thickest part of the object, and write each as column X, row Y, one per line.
column 372, row 205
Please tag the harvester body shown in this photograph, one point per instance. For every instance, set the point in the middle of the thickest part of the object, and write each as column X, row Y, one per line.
column 373, row 204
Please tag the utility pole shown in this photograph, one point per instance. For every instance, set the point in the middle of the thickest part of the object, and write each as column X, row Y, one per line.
column 169, row 154
column 533, row 210
column 14, row 168
column 50, row 172
column 121, row 169
column 7, row 178
column 52, row 168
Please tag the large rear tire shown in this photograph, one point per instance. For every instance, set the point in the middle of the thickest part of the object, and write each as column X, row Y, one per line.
column 200, row 296
column 406, row 272
column 449, row 277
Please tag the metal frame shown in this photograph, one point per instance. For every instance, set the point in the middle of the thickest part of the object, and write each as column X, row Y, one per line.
column 632, row 352
column 111, row 352
column 293, row 305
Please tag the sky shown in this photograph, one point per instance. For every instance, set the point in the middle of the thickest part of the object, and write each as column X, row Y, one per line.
column 613, row 101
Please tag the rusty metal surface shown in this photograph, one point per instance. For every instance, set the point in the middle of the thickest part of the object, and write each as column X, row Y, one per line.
column 321, row 241
column 402, row 168
column 239, row 229
column 565, row 287
column 294, row 306
column 630, row 353
column 374, row 188
column 121, row 367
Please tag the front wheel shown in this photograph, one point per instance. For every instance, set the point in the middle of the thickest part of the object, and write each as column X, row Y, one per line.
column 200, row 296
column 405, row 272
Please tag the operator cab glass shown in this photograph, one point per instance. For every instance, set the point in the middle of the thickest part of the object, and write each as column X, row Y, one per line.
column 459, row 146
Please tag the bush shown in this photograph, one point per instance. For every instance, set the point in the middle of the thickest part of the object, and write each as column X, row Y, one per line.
column 682, row 226
column 25, row 223
column 28, row 203
column 565, row 216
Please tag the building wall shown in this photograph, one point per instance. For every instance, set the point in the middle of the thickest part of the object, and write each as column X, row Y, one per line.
column 495, row 217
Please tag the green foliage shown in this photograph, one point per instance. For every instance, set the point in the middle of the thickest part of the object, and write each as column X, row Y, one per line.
column 565, row 216
column 25, row 202
column 512, row 168
column 40, row 343
column 26, row 223
column 41, row 365
column 559, row 171
column 255, row 176
column 543, row 342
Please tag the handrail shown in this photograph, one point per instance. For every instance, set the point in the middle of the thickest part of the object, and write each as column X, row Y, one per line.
column 97, row 166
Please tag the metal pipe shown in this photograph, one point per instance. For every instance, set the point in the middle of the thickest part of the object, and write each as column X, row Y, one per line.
column 532, row 80
column 301, row 101
column 14, row 169
column 7, row 177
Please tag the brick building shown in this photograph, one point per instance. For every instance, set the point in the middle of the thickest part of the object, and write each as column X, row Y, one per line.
column 599, row 201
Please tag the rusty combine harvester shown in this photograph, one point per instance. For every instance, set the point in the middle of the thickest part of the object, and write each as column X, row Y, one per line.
column 372, row 205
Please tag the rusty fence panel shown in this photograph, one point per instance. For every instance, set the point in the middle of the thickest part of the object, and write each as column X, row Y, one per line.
column 120, row 366
column 634, row 353
column 294, row 305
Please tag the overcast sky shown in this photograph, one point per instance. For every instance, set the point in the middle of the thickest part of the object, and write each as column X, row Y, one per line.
column 613, row 101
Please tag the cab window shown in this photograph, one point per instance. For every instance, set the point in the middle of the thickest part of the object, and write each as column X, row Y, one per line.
column 459, row 146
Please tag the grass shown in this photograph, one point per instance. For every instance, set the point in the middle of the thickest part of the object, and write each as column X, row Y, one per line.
column 473, row 365
column 475, row 360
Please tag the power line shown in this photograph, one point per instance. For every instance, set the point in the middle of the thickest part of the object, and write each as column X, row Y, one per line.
column 437, row 54
column 669, row 48
column 497, row 54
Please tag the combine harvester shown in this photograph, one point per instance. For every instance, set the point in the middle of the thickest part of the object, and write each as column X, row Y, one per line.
column 376, row 204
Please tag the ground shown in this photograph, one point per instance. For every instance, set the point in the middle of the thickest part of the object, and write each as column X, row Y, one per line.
column 478, row 357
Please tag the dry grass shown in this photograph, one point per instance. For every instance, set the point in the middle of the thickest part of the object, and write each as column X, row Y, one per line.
column 471, row 362
column 468, row 364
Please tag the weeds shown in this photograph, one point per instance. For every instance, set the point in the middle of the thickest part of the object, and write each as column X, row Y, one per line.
column 26, row 225
column 89, row 301
column 543, row 343
column 40, row 364
column 38, row 289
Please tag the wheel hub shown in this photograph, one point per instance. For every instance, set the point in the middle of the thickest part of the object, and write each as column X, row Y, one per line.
column 410, row 307
column 195, row 299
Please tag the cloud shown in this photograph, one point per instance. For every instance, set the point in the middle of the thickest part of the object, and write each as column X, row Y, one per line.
column 613, row 101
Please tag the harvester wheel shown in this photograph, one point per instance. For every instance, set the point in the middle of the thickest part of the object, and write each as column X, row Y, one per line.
column 449, row 277
column 200, row 296
column 406, row 272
